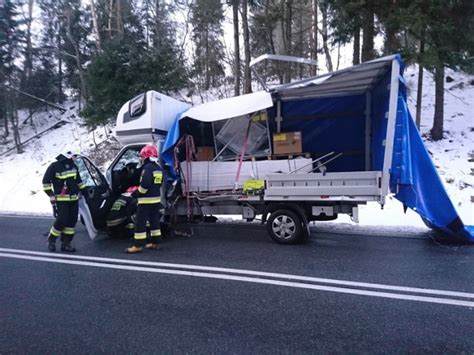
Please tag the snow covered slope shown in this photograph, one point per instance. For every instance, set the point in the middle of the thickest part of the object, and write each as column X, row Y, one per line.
column 21, row 174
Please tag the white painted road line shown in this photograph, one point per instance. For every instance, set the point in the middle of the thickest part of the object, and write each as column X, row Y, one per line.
column 26, row 216
column 257, row 280
column 249, row 272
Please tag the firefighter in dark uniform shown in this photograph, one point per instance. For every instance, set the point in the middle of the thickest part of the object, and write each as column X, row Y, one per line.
column 120, row 220
column 62, row 184
column 149, row 201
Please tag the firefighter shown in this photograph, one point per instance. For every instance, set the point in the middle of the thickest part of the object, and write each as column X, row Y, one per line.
column 149, row 201
column 120, row 220
column 62, row 184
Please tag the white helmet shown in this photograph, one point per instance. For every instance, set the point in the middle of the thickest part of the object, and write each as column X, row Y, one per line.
column 70, row 153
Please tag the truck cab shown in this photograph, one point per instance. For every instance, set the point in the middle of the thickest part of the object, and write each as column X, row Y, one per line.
column 145, row 119
column 102, row 189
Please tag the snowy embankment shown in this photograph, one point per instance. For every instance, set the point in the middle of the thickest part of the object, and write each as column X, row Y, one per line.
column 21, row 189
column 21, row 174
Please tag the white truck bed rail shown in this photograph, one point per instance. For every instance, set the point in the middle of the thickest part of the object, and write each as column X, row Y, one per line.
column 345, row 186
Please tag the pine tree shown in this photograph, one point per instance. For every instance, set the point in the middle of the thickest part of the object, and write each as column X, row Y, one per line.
column 75, row 30
column 51, row 47
column 138, row 53
column 207, row 18
column 10, row 37
column 447, row 32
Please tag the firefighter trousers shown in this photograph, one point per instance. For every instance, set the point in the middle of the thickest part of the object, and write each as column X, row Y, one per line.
column 66, row 220
column 147, row 213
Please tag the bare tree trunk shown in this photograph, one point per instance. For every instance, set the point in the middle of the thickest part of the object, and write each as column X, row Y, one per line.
column 287, row 21
column 119, row 19
column 368, row 35
column 95, row 24
column 392, row 43
column 437, row 130
column 419, row 92
column 208, row 74
column 60, row 70
column 156, row 37
column 338, row 54
column 6, row 131
column 147, row 23
column 245, row 25
column 29, row 50
column 269, row 29
column 12, row 112
column 356, row 52
column 77, row 55
column 109, row 17
column 28, row 68
column 235, row 13
column 314, row 37
column 324, row 33
column 4, row 111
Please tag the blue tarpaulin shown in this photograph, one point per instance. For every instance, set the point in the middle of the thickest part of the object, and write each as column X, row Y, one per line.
column 170, row 141
column 416, row 182
column 338, row 123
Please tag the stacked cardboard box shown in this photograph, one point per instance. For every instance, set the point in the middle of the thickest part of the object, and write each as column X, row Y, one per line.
column 287, row 143
column 204, row 153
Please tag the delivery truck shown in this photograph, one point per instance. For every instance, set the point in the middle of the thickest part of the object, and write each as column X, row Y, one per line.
column 291, row 154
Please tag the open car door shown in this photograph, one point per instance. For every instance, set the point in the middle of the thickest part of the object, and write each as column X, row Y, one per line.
column 97, row 197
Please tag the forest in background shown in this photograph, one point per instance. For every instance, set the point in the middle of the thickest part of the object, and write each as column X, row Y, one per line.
column 103, row 52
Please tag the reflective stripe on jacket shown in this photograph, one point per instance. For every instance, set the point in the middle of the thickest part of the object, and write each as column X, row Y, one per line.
column 149, row 190
column 62, row 180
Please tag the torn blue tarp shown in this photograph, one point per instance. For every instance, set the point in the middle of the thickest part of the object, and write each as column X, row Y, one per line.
column 170, row 141
column 415, row 181
column 338, row 123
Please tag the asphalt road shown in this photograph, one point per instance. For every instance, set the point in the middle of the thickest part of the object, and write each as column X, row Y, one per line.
column 229, row 289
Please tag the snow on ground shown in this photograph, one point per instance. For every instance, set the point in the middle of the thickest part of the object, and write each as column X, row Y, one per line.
column 20, row 175
column 21, row 188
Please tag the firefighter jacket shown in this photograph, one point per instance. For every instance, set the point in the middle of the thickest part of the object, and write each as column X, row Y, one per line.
column 122, row 210
column 62, row 180
column 149, row 190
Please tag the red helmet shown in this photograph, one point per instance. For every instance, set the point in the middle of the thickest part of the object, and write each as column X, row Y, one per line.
column 148, row 151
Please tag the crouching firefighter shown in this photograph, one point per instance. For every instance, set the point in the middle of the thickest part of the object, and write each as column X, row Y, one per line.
column 149, row 202
column 121, row 218
column 62, row 184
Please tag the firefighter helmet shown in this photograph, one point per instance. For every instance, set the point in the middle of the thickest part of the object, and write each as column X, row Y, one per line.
column 70, row 153
column 148, row 151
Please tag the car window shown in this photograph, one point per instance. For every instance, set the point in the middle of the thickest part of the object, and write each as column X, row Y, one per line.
column 137, row 106
column 129, row 156
column 90, row 176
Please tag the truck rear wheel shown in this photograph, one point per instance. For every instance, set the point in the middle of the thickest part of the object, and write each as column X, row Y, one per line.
column 285, row 227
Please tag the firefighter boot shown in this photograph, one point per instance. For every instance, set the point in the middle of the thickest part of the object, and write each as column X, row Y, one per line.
column 152, row 246
column 51, row 243
column 66, row 244
column 134, row 249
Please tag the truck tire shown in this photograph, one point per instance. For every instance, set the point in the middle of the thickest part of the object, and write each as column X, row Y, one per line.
column 285, row 227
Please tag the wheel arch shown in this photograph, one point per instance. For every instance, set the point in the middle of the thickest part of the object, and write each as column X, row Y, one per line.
column 292, row 206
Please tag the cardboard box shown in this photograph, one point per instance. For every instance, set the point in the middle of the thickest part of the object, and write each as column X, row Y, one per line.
column 205, row 153
column 287, row 143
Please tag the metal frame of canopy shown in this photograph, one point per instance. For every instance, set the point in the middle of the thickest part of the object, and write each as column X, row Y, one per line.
column 358, row 79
